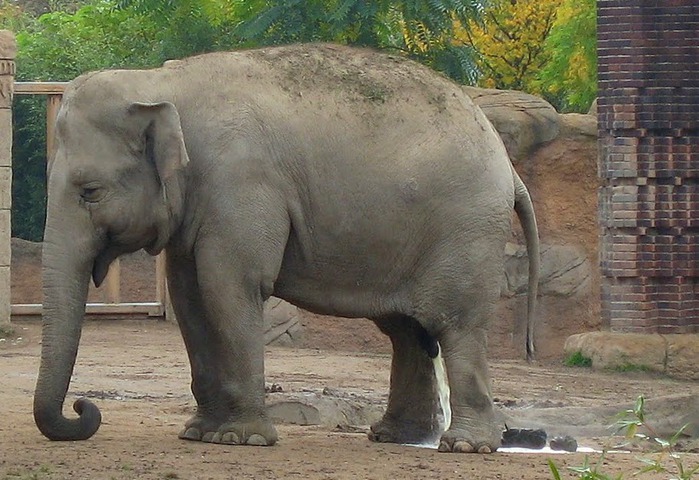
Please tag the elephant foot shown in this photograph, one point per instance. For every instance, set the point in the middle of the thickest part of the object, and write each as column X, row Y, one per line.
column 259, row 432
column 404, row 432
column 463, row 441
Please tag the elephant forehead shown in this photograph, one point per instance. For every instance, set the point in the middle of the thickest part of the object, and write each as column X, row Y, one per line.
column 78, row 121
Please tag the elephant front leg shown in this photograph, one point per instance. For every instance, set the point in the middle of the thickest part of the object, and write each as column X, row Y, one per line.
column 412, row 412
column 226, row 356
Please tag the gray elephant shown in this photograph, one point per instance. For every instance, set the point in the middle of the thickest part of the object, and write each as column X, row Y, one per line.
column 346, row 181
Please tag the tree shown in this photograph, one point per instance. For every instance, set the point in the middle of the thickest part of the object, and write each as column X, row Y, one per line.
column 60, row 46
column 509, row 42
column 416, row 28
column 569, row 79
column 187, row 27
column 12, row 16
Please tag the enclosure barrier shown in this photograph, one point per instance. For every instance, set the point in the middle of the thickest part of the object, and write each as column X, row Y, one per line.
column 112, row 298
column 8, row 50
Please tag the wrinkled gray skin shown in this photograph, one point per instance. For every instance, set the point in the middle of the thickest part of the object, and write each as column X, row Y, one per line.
column 344, row 181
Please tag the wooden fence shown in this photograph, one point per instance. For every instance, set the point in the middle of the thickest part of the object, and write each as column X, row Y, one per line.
column 112, row 302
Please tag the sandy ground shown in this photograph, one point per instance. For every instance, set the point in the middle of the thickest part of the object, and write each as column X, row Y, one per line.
column 137, row 372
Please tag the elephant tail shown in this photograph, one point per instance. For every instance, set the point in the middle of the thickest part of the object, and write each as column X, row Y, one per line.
column 527, row 218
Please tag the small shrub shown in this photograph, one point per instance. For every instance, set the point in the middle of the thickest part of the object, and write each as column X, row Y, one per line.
column 7, row 331
column 632, row 367
column 577, row 359
column 665, row 460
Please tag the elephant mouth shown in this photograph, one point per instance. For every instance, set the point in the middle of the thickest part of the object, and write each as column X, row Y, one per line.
column 106, row 256
column 100, row 267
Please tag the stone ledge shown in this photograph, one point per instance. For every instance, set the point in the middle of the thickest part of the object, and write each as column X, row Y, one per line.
column 674, row 355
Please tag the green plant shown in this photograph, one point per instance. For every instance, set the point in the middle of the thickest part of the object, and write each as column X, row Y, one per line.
column 632, row 421
column 632, row 367
column 666, row 459
column 7, row 331
column 586, row 471
column 569, row 78
column 42, row 472
column 577, row 359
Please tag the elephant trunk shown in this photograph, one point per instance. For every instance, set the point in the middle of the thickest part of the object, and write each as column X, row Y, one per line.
column 66, row 269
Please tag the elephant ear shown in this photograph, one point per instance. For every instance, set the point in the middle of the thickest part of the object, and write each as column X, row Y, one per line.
column 166, row 149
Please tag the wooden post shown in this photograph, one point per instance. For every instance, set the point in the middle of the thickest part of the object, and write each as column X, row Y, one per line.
column 162, row 294
column 112, row 287
column 8, row 49
column 53, row 102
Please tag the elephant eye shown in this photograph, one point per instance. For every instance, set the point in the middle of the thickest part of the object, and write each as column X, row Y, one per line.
column 91, row 194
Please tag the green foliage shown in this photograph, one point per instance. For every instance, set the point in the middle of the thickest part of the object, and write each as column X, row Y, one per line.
column 59, row 46
column 632, row 367
column 586, row 471
column 29, row 167
column 186, row 27
column 569, row 79
column 418, row 28
column 7, row 331
column 509, row 42
column 666, row 459
column 577, row 359
column 12, row 17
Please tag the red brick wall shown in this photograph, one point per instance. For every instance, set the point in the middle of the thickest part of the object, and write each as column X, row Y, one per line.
column 648, row 111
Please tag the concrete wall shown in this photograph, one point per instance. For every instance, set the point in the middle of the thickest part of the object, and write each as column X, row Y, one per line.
column 7, row 71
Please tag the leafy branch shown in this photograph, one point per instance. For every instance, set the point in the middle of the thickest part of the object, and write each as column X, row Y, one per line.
column 633, row 423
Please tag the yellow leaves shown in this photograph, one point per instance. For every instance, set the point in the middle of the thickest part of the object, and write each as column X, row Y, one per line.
column 509, row 41
column 419, row 38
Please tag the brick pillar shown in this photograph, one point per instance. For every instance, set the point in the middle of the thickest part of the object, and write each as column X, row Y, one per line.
column 8, row 50
column 648, row 112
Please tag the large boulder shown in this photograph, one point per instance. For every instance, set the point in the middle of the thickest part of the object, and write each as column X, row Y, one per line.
column 282, row 323
column 565, row 270
column 674, row 355
column 523, row 121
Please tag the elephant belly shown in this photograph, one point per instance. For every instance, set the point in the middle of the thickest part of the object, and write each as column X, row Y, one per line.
column 332, row 300
column 349, row 286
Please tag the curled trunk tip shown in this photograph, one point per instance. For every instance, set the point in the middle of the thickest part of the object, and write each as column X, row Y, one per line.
column 55, row 426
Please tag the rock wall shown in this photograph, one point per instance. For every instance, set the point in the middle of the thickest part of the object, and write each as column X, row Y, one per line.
column 556, row 156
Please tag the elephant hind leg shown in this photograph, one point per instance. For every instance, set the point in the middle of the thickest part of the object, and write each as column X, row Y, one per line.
column 413, row 402
column 463, row 342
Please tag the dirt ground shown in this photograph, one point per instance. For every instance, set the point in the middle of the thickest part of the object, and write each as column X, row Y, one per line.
column 136, row 370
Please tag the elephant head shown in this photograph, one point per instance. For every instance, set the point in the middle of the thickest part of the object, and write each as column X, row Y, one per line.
column 115, row 185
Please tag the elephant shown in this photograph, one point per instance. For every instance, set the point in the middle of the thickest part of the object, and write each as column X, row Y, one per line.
column 347, row 181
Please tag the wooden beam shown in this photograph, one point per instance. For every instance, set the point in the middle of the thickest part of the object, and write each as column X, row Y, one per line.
column 40, row 88
column 153, row 309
